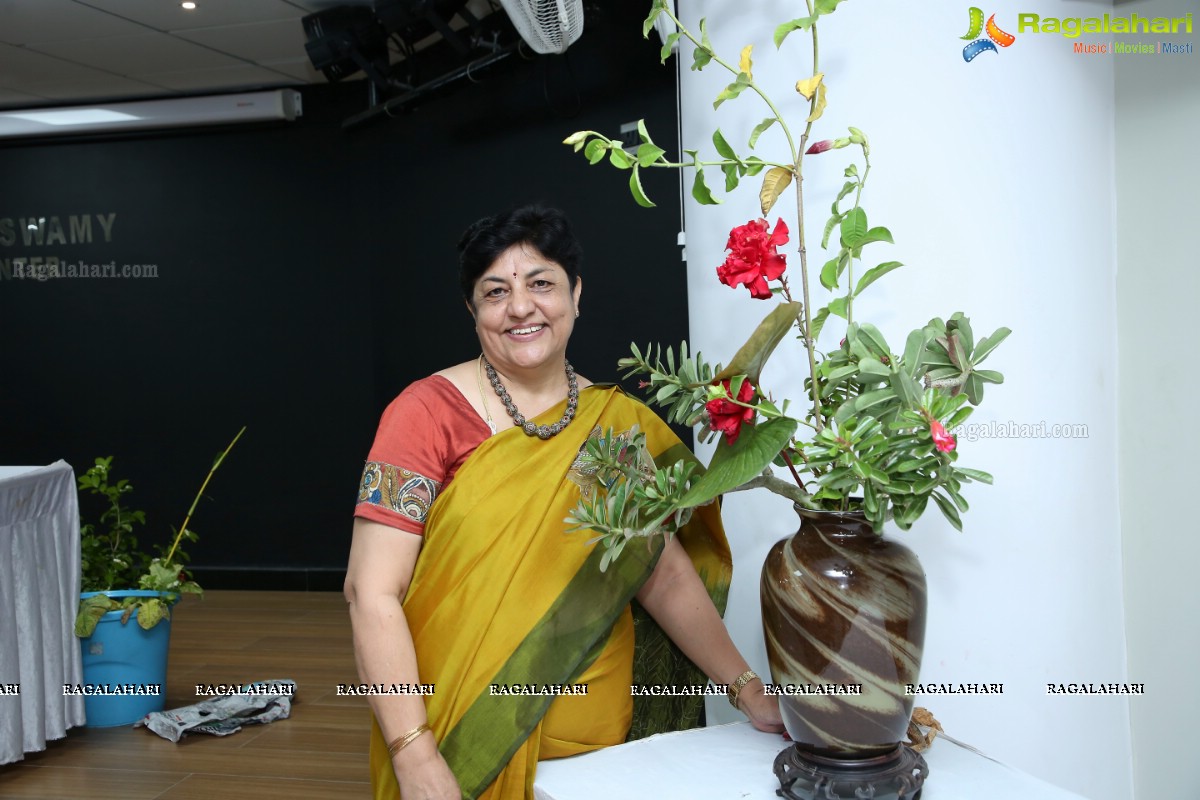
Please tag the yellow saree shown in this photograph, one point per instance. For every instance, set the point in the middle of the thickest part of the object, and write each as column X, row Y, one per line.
column 504, row 607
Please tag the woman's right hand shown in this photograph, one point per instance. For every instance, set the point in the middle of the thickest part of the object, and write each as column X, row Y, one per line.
column 425, row 776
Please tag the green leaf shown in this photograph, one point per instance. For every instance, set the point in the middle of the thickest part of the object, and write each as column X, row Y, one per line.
column 870, row 335
column 878, row 234
column 874, row 274
column 655, row 10
column 704, row 40
column 594, row 152
column 732, row 90
column 647, row 154
column 733, row 465
column 906, row 389
column 988, row 344
column 959, row 417
column 974, row 389
column 760, row 129
column 754, row 165
column 701, row 192
column 786, row 28
column 826, row 6
column 700, row 58
column 620, row 159
column 669, row 46
column 90, row 612
column 833, row 220
column 150, row 612
column 818, row 322
column 731, row 176
column 874, row 370
column 752, row 356
column 989, row 375
column 635, row 187
column 974, row 474
column 837, row 307
column 868, row 400
column 723, row 146
column 948, row 510
column 854, row 227
column 829, row 273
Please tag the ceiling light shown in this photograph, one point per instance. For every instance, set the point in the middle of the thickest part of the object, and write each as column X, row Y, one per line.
column 187, row 5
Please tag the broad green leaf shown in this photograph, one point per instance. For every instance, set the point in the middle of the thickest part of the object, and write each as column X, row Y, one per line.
column 854, row 227
column 988, row 344
column 874, row 340
column 723, row 146
column 906, row 389
column 874, row 274
column 826, row 6
column 829, row 226
column 668, row 46
column 948, row 509
column 774, row 182
column 759, row 130
column 829, row 273
column 974, row 389
column 594, row 152
column 818, row 322
column 90, row 612
column 868, row 400
column 959, row 417
column 807, row 86
column 648, row 153
column 837, row 307
column 974, row 474
column 786, row 28
column 151, row 612
column 847, row 188
column 873, row 369
column 754, row 165
column 635, row 187
column 700, row 58
column 733, row 465
column 877, row 234
column 989, row 375
column 620, row 159
column 704, row 40
column 732, row 176
column 648, row 25
column 732, row 90
column 701, row 192
column 752, row 356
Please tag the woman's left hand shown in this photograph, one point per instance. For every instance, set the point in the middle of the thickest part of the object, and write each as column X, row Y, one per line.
column 762, row 710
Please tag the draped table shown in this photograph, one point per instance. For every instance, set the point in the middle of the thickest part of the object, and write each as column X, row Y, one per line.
column 734, row 761
column 39, row 595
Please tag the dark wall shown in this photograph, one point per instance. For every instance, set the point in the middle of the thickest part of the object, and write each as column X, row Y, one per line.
column 305, row 275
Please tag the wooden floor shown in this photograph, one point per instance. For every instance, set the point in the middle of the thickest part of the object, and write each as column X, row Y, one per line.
column 319, row 752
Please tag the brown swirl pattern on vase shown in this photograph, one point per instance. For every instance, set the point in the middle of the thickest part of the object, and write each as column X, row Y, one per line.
column 844, row 606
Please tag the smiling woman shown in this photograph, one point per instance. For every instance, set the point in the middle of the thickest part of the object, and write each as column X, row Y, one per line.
column 460, row 575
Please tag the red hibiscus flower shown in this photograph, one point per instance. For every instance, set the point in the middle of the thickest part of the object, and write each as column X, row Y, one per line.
column 944, row 441
column 728, row 417
column 752, row 259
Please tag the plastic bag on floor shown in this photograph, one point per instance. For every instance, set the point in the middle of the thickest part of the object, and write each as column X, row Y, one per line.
column 234, row 706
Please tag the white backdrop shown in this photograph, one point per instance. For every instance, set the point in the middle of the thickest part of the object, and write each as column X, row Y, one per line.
column 996, row 179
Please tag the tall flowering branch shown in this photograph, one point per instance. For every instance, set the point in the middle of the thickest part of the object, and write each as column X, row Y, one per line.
column 878, row 422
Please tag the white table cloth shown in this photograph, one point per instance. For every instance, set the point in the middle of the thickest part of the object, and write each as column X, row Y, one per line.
column 733, row 762
column 39, row 595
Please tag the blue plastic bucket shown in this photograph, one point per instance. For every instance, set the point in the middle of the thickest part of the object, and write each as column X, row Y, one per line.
column 123, row 665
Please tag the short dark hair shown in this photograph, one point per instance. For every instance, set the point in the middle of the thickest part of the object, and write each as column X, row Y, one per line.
column 546, row 229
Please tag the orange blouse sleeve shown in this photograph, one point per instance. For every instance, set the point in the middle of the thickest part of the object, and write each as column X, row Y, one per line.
column 424, row 436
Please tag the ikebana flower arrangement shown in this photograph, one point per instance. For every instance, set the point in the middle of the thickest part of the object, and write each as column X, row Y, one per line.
column 873, row 431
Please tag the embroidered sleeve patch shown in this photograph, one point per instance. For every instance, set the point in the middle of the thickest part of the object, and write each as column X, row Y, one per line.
column 397, row 489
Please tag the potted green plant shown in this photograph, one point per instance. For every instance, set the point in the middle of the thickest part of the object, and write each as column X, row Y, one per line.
column 870, row 443
column 124, row 666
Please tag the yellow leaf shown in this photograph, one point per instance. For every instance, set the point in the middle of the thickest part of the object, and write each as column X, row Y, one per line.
column 820, row 109
column 744, row 62
column 774, row 182
column 807, row 86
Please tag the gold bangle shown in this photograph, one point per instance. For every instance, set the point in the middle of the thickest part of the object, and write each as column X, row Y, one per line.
column 736, row 687
column 401, row 742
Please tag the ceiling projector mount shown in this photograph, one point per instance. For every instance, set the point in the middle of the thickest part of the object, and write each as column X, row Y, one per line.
column 399, row 44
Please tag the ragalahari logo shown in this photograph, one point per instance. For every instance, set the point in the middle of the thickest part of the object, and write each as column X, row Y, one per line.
column 995, row 36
